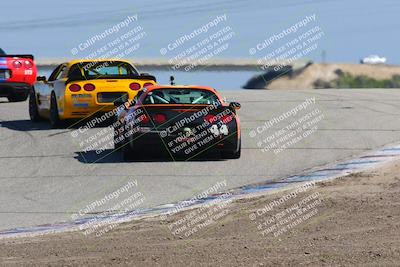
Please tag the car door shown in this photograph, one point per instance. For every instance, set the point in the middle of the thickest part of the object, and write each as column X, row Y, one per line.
column 59, row 87
column 43, row 90
column 45, row 93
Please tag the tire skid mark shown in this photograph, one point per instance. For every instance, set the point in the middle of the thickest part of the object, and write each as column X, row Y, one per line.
column 35, row 156
column 59, row 133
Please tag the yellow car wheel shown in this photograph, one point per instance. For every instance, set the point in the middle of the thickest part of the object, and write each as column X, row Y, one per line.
column 33, row 107
column 54, row 117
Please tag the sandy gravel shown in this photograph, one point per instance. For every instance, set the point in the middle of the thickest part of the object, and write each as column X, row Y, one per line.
column 357, row 222
column 326, row 72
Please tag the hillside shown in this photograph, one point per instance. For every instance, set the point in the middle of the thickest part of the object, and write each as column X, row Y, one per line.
column 329, row 75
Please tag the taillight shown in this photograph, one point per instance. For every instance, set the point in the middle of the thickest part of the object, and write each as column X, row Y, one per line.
column 28, row 64
column 226, row 119
column 210, row 118
column 89, row 87
column 16, row 64
column 74, row 87
column 134, row 86
column 144, row 118
column 160, row 118
column 147, row 84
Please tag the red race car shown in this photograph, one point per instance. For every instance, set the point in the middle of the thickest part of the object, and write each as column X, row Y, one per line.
column 179, row 121
column 17, row 75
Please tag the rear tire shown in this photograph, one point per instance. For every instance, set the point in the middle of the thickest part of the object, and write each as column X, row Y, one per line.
column 126, row 153
column 117, row 134
column 117, row 145
column 33, row 107
column 54, row 117
column 129, row 154
column 233, row 154
column 17, row 98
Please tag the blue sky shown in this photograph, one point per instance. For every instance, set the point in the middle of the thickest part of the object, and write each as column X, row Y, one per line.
column 353, row 28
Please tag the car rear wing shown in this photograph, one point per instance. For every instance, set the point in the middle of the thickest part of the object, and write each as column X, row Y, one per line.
column 20, row 56
column 143, row 76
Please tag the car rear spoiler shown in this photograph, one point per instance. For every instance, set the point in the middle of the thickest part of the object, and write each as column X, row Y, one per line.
column 146, row 76
column 142, row 76
column 20, row 56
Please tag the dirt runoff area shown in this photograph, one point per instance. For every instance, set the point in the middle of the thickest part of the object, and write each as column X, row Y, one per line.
column 354, row 220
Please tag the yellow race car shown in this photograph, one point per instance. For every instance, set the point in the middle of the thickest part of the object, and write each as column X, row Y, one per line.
column 84, row 88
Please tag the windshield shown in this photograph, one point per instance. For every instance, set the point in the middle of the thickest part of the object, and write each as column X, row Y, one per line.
column 2, row 53
column 180, row 96
column 102, row 70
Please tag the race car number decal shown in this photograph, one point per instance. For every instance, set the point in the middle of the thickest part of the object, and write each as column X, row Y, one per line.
column 223, row 130
column 28, row 72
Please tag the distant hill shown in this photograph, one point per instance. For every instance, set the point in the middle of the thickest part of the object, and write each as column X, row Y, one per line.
column 315, row 76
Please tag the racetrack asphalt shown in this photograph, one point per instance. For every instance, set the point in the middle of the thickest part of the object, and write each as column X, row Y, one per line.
column 46, row 177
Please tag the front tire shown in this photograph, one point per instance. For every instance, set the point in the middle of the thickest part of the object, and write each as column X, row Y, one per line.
column 33, row 107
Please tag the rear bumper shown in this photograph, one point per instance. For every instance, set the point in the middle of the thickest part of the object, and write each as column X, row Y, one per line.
column 7, row 89
column 80, row 111
column 82, row 105
column 152, row 141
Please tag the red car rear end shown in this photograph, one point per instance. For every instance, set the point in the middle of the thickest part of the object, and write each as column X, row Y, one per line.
column 17, row 75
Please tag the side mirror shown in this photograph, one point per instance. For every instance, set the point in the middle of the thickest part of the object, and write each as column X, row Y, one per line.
column 235, row 105
column 41, row 78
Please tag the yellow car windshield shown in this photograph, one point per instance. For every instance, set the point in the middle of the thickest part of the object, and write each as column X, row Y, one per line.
column 102, row 70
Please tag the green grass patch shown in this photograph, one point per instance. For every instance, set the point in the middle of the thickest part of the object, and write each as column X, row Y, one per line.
column 347, row 80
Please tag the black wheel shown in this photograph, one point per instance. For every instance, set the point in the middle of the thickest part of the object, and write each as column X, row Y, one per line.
column 17, row 98
column 54, row 117
column 33, row 107
column 129, row 154
column 126, row 153
column 118, row 143
column 233, row 154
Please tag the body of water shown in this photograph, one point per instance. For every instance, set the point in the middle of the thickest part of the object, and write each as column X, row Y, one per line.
column 220, row 80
